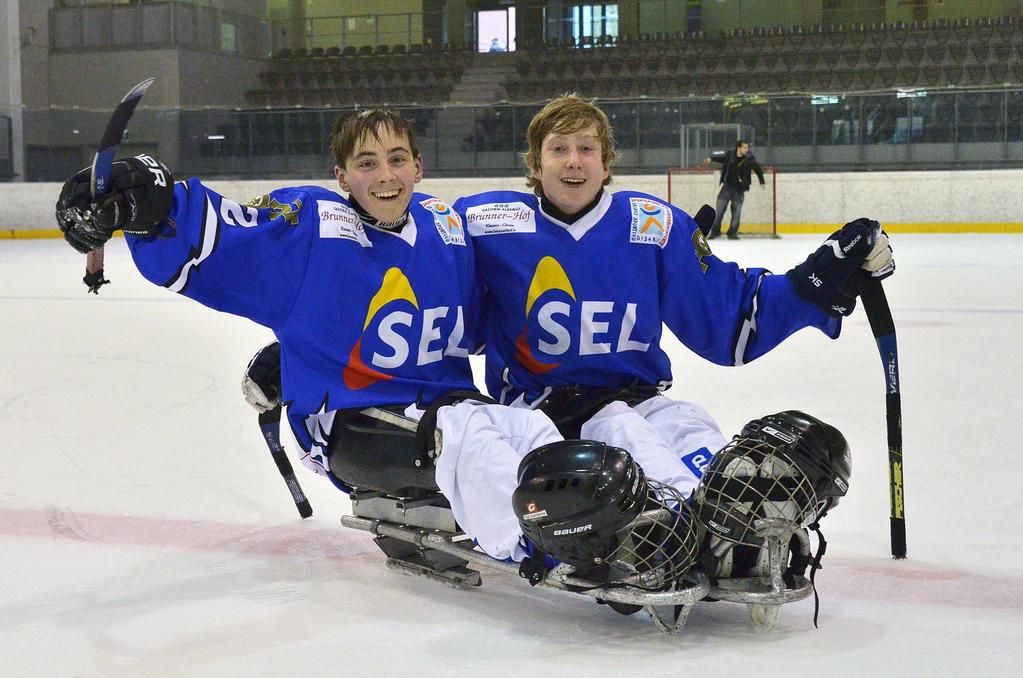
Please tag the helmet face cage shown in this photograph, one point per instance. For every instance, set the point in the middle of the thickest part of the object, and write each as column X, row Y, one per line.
column 749, row 480
column 657, row 548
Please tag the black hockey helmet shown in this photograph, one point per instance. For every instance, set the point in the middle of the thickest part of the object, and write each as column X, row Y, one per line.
column 574, row 496
column 819, row 449
column 788, row 465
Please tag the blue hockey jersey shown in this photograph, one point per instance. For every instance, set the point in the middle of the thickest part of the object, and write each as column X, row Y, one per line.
column 583, row 304
column 364, row 316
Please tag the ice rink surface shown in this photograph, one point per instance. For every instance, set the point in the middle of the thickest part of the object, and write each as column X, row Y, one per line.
column 144, row 530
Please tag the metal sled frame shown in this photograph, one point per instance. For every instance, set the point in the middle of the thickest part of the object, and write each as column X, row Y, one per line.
column 764, row 596
column 431, row 528
column 420, row 537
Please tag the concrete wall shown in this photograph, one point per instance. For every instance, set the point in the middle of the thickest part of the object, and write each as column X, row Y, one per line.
column 184, row 78
column 317, row 23
column 192, row 73
column 944, row 9
column 964, row 201
column 10, row 83
column 724, row 16
column 34, row 29
column 215, row 80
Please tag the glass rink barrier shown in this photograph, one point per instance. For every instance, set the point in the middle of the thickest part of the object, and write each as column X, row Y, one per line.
column 893, row 130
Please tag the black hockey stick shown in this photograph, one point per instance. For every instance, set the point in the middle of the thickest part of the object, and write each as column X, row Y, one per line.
column 270, row 425
column 101, row 163
column 879, row 315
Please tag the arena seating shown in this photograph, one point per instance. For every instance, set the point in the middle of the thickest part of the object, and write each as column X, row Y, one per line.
column 659, row 68
column 844, row 58
column 816, row 59
column 332, row 77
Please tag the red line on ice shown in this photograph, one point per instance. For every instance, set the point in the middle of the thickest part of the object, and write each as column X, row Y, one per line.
column 293, row 539
column 901, row 582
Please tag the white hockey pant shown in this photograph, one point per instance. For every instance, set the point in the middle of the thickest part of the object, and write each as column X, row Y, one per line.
column 672, row 440
column 481, row 447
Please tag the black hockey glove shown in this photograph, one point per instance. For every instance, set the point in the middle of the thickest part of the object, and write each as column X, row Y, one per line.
column 828, row 277
column 140, row 197
column 261, row 384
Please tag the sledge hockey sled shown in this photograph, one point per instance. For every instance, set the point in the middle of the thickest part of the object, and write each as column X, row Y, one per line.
column 413, row 525
column 419, row 536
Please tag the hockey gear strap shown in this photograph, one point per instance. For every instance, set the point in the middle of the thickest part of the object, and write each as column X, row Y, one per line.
column 427, row 441
column 569, row 407
column 801, row 560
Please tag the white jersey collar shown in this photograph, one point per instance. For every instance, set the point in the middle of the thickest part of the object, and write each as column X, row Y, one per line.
column 584, row 223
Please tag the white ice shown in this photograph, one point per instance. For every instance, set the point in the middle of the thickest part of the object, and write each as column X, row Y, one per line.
column 144, row 530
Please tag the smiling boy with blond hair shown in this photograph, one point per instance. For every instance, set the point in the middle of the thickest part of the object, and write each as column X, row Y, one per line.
column 580, row 281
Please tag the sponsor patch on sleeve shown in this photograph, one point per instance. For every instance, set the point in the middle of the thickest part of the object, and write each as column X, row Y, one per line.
column 697, row 461
column 702, row 249
column 446, row 220
column 338, row 220
column 651, row 222
column 495, row 218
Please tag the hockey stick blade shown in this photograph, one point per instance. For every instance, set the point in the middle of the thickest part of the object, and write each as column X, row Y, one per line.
column 112, row 138
column 879, row 315
column 270, row 425
column 101, row 162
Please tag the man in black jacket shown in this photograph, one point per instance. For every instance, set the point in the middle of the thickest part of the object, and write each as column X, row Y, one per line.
column 736, row 169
